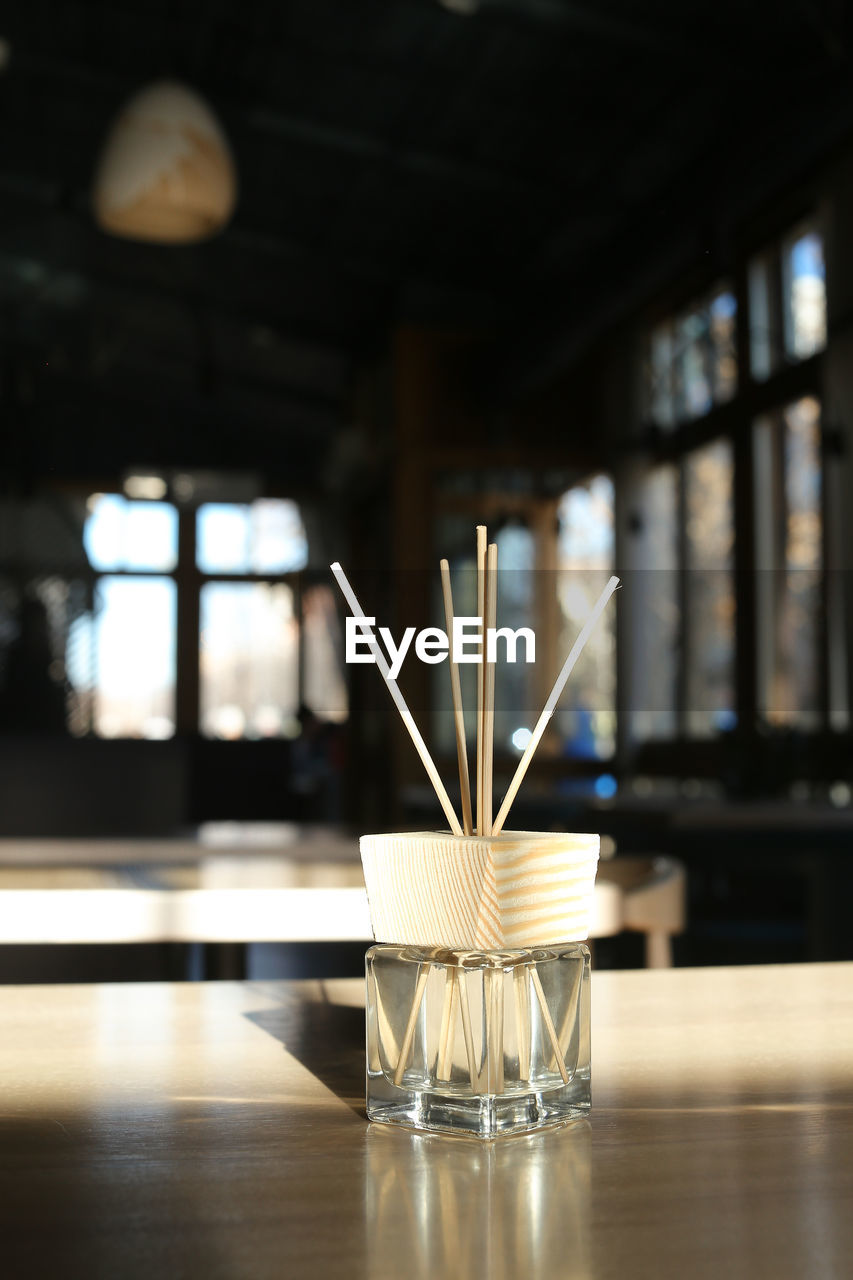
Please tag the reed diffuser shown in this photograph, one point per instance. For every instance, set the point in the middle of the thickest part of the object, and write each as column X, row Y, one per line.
column 478, row 987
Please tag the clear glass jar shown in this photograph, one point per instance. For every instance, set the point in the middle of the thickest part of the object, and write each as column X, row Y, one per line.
column 484, row 1043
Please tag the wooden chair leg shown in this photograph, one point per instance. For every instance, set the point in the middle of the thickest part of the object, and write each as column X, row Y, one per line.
column 658, row 950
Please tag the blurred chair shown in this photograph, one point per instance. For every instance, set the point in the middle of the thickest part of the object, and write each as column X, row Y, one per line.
column 647, row 895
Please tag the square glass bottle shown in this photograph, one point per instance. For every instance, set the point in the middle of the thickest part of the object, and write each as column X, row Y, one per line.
column 481, row 1043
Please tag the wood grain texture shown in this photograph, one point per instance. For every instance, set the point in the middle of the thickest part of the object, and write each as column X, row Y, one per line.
column 216, row 1132
column 519, row 889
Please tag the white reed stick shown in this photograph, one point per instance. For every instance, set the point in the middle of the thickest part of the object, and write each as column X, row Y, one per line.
column 409, row 1036
column 468, row 1032
column 522, row 1019
column 482, row 540
column 549, row 1024
column 494, row 1005
column 489, row 623
column 458, row 713
column 400, row 703
column 551, row 705
column 447, row 1034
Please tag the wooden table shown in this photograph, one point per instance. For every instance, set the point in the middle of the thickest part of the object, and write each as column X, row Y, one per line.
column 216, row 1130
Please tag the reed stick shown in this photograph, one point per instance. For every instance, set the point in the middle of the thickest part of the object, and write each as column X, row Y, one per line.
column 494, row 1030
column 551, row 704
column 465, row 1007
column 521, row 983
column 458, row 713
column 447, row 1034
column 549, row 1024
column 490, row 622
column 572, row 1001
column 482, row 541
column 400, row 703
column 406, row 1047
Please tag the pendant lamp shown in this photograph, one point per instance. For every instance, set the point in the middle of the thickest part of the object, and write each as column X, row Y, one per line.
column 166, row 173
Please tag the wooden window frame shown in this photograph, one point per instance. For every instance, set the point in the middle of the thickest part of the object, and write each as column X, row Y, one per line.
column 792, row 379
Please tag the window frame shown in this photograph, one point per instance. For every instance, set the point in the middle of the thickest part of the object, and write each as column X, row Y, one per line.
column 789, row 380
column 189, row 580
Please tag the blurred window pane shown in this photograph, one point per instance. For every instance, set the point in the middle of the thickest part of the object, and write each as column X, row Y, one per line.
column 692, row 361
column 586, row 717
column 787, row 302
column 325, row 691
column 692, row 366
column 789, row 557
column 710, row 602
column 265, row 537
column 722, row 316
column 655, row 651
column 222, row 534
column 805, row 294
column 130, row 647
column 140, row 536
column 659, row 393
column 249, row 661
column 764, row 326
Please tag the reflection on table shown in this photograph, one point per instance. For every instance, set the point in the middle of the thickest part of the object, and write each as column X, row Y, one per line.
column 210, row 1130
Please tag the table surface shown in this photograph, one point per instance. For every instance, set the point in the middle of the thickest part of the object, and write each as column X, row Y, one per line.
column 217, row 1130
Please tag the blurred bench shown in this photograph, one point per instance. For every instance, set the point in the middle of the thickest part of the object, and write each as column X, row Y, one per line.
column 241, row 883
column 647, row 895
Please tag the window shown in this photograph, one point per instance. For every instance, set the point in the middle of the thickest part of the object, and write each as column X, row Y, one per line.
column 249, row 670
column 586, row 716
column 555, row 554
column 692, row 362
column 686, row 650
column 255, row 668
column 121, row 656
column 804, row 292
column 787, row 301
column 789, row 560
column 681, row 665
column 264, row 537
column 653, row 660
column 709, row 589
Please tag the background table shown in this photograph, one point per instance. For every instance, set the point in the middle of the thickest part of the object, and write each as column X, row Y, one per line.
column 248, row 882
column 216, row 1130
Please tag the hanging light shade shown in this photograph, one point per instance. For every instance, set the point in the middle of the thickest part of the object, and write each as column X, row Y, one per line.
column 166, row 172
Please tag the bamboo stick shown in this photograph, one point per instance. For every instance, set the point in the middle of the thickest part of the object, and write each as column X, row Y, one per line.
column 549, row 1024
column 491, row 614
column 482, row 540
column 521, row 982
column 551, row 704
column 494, row 1005
column 409, row 1036
column 465, row 1007
column 447, row 1034
column 458, row 712
column 400, row 703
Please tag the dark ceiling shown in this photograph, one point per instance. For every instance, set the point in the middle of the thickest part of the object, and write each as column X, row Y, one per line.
column 528, row 169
